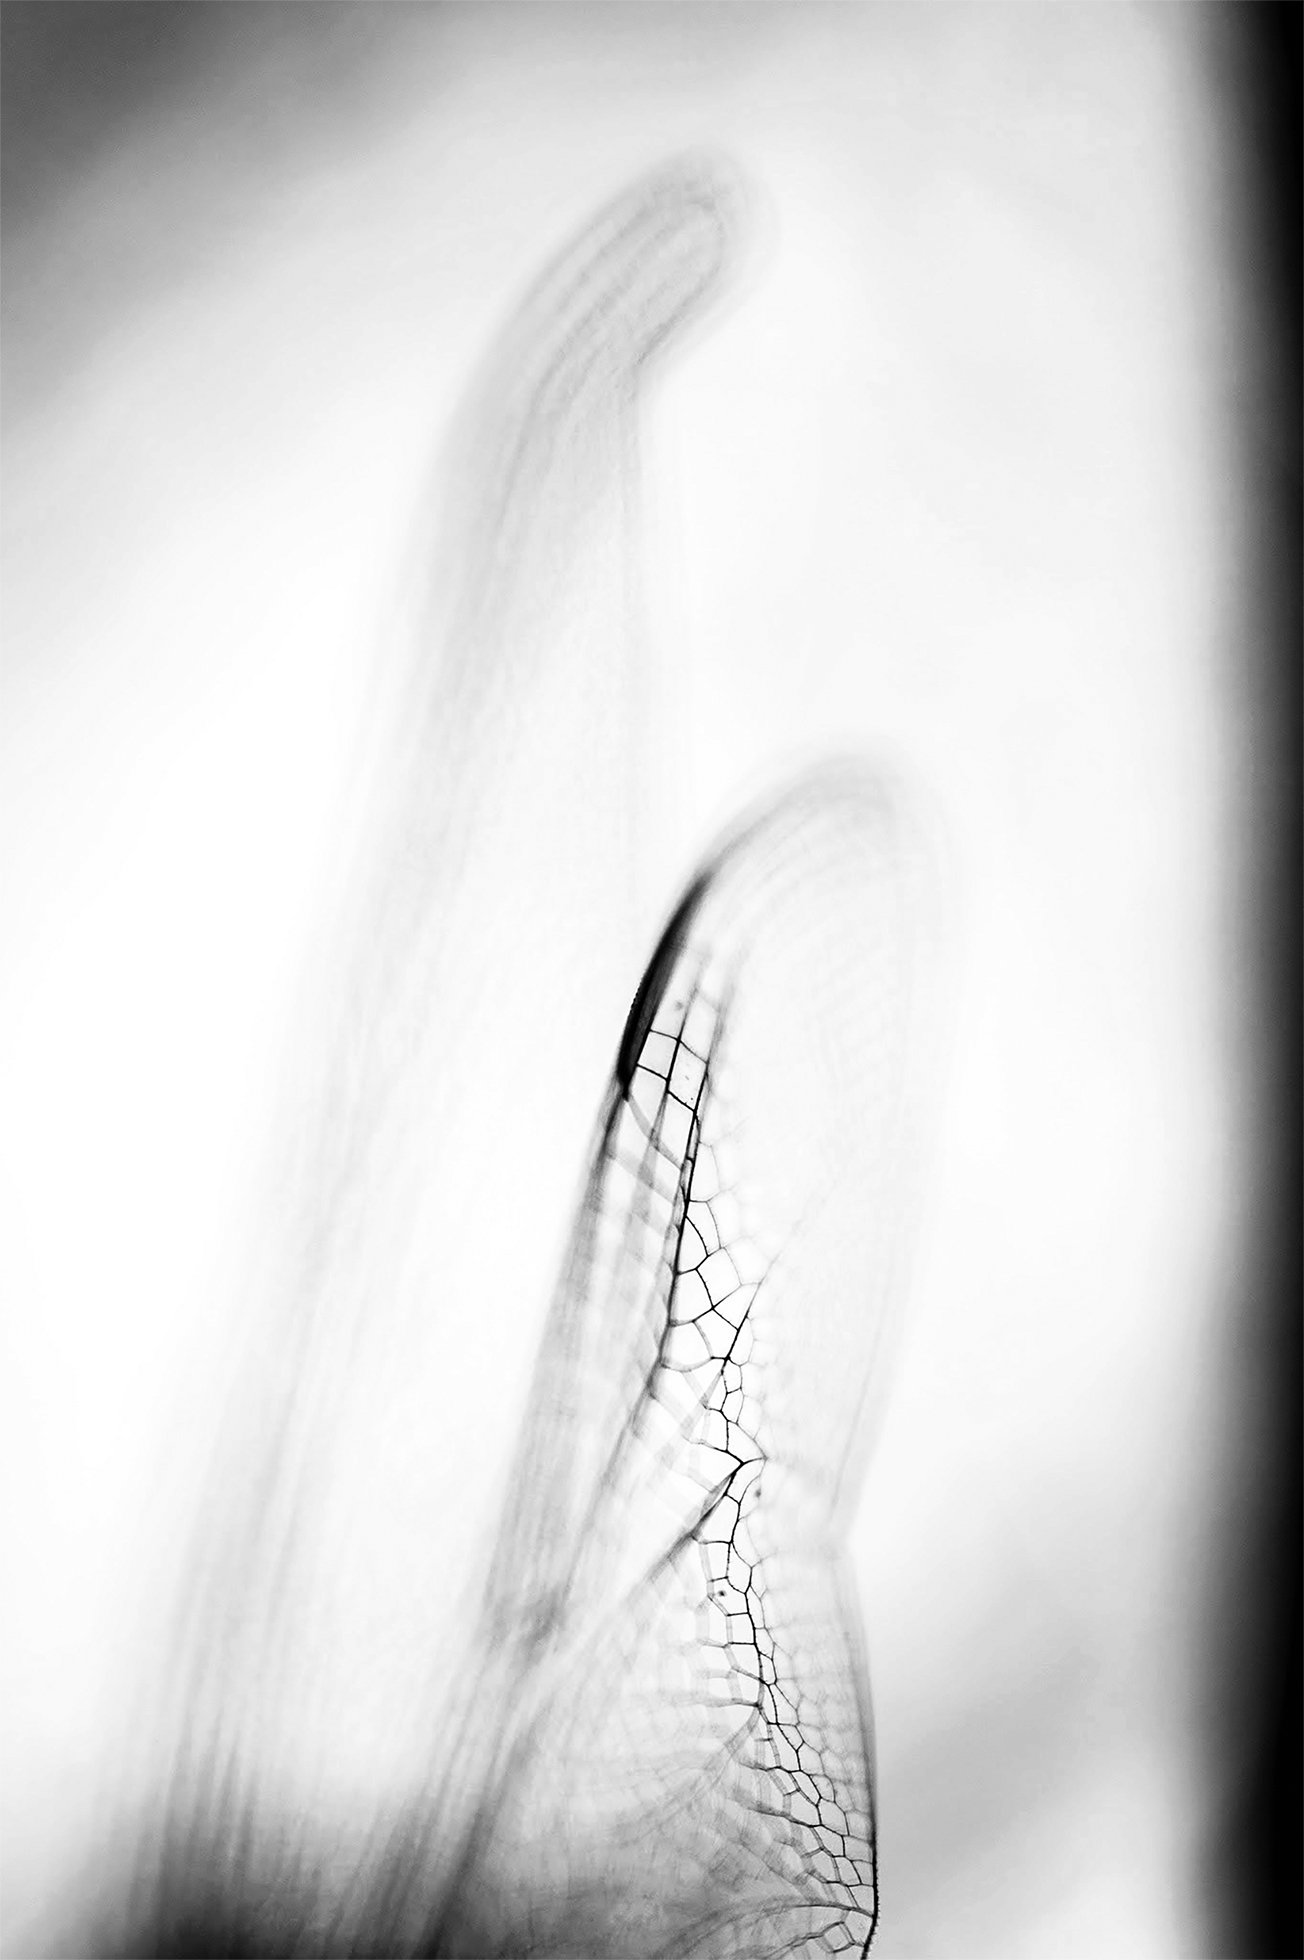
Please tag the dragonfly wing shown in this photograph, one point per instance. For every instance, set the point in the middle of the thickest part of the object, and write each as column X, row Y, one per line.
column 689, row 1766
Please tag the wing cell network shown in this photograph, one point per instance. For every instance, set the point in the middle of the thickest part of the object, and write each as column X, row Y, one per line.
column 689, row 1769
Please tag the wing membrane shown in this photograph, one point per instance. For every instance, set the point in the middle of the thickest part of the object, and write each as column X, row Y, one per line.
column 688, row 1771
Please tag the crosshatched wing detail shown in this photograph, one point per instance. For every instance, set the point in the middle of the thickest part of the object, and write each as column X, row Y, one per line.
column 688, row 1770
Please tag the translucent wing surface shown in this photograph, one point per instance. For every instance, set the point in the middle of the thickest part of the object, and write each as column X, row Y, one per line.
column 687, row 1769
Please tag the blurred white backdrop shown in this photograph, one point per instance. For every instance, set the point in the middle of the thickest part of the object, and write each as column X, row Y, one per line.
column 944, row 479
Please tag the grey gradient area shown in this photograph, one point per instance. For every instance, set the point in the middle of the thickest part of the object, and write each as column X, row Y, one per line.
column 441, row 493
column 86, row 87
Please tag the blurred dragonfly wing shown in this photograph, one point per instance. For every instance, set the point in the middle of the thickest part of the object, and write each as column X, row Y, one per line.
column 307, row 1703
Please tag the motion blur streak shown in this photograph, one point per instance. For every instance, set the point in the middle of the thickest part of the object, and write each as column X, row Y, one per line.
column 374, row 675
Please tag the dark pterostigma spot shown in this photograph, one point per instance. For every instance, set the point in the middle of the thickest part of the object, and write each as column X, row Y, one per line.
column 655, row 979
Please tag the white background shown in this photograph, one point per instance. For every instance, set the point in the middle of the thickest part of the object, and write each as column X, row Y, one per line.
column 946, row 481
